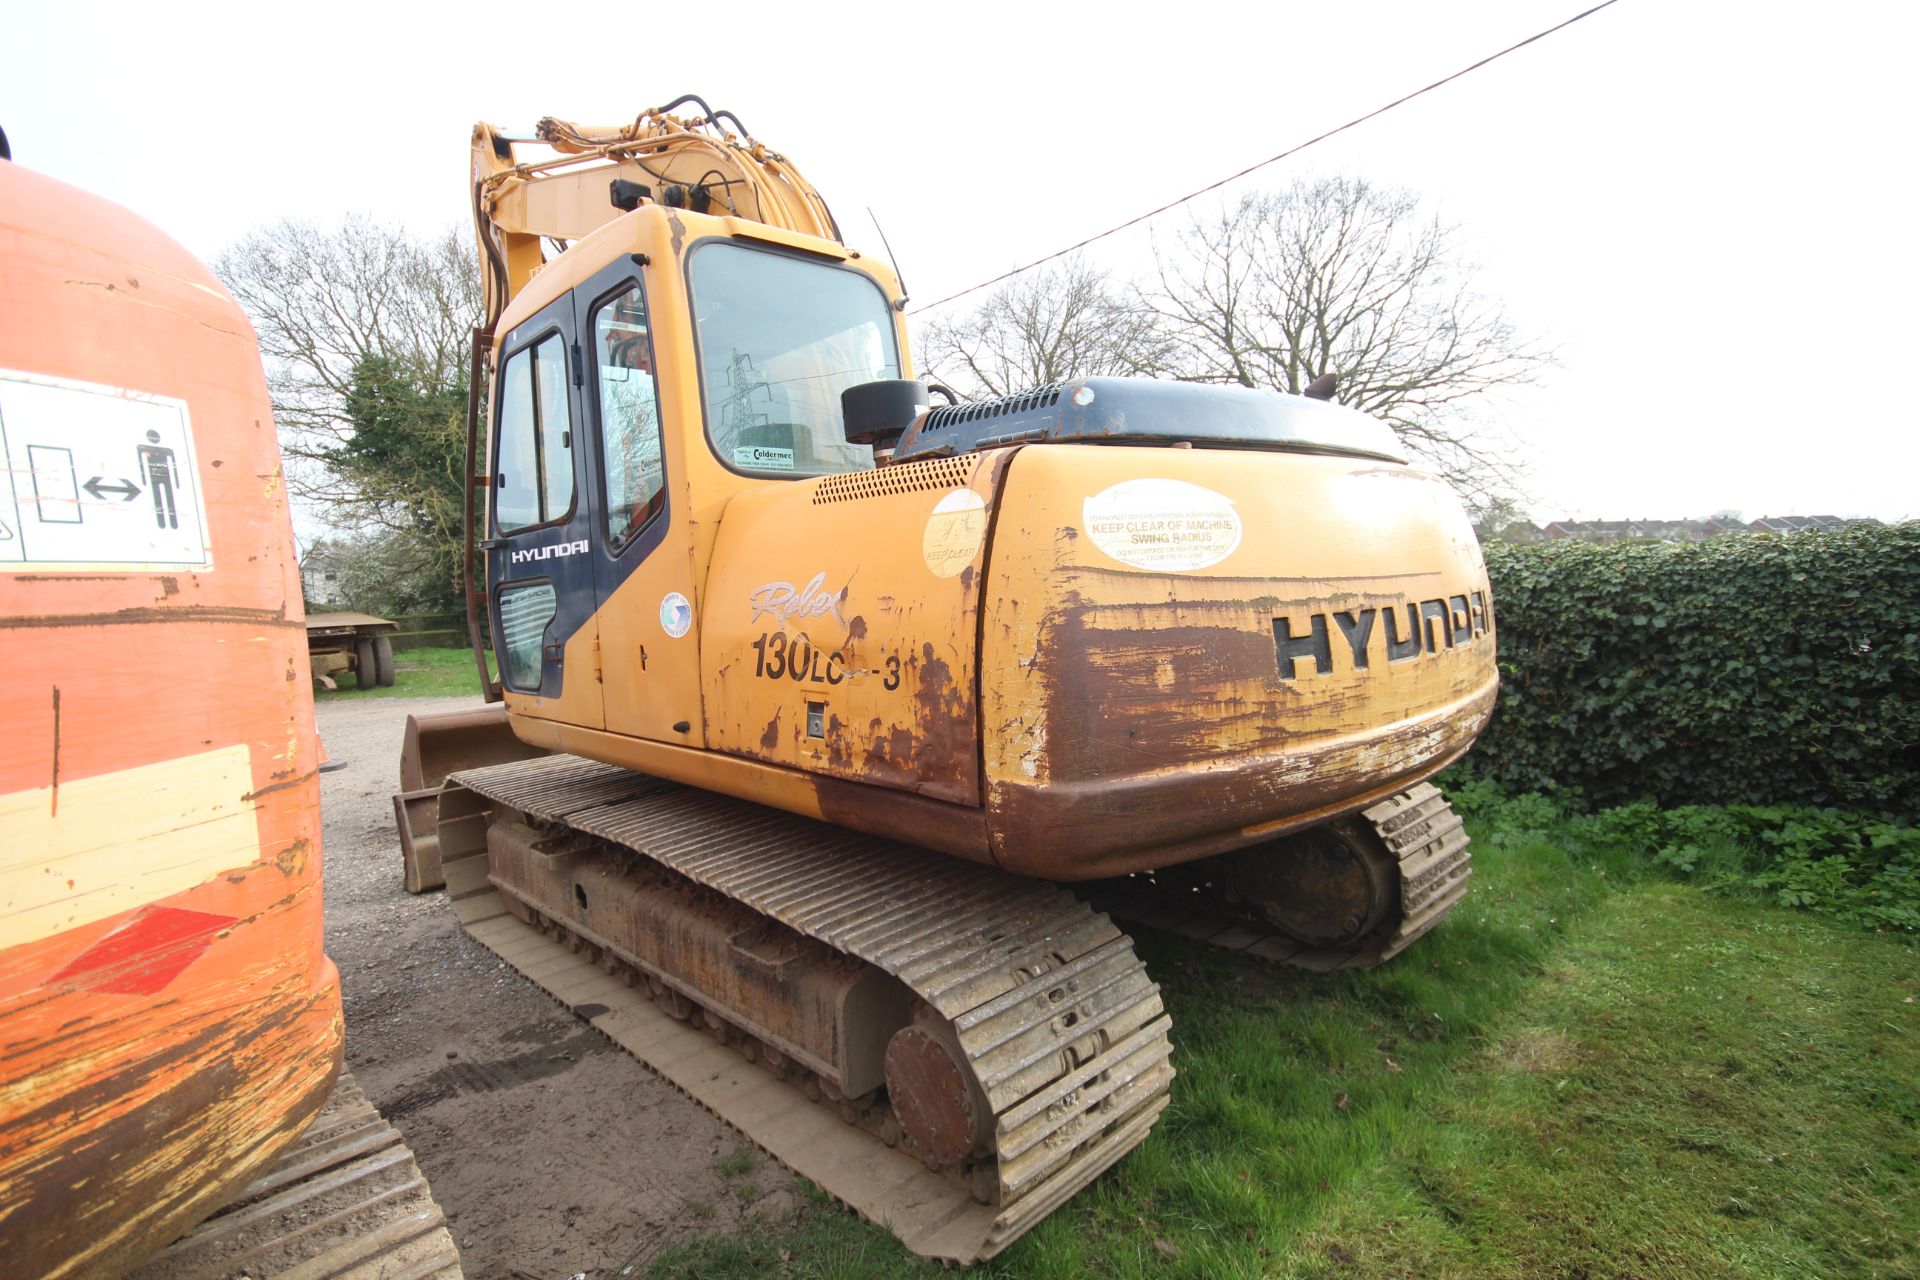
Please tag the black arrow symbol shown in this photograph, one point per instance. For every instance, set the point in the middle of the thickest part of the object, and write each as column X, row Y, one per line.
column 98, row 487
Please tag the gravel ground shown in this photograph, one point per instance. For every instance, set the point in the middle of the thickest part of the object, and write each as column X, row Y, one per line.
column 552, row 1152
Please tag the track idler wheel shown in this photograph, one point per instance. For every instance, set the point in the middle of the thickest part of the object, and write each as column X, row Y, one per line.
column 939, row 1103
column 1328, row 886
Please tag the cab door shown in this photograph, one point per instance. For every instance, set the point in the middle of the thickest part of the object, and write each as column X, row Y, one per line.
column 643, row 571
column 540, row 582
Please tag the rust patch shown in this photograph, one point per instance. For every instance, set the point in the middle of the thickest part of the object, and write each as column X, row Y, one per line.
column 1173, row 734
column 170, row 585
column 1122, row 700
column 679, row 233
column 857, row 628
column 282, row 786
column 54, row 786
column 934, row 755
column 134, row 1154
column 901, row 815
column 966, row 578
column 839, row 750
column 770, row 740
column 946, row 720
column 136, row 617
column 1131, row 821
column 292, row 860
column 931, row 1094
column 890, row 756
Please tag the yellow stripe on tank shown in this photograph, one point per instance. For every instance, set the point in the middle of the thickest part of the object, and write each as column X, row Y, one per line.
column 106, row 844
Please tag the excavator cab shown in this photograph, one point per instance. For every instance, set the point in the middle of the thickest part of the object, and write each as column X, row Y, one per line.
column 630, row 406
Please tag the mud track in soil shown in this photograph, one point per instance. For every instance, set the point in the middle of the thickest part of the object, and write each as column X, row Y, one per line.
column 552, row 1152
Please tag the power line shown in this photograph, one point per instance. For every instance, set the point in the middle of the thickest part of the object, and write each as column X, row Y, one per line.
column 1293, row 150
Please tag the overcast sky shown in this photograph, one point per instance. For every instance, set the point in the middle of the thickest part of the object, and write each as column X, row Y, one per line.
column 1706, row 208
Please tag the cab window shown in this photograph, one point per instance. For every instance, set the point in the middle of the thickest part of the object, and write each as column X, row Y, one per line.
column 534, row 467
column 525, row 611
column 780, row 337
column 631, row 447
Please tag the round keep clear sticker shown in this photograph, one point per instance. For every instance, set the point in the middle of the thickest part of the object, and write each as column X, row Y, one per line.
column 1164, row 525
column 954, row 532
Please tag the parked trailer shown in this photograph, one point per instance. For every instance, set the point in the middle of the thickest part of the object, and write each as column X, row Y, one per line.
column 356, row 642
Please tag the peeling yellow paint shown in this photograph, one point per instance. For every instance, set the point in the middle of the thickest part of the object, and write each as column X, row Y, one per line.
column 121, row 839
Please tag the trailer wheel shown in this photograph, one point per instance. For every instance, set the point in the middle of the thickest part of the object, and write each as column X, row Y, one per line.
column 382, row 661
column 363, row 673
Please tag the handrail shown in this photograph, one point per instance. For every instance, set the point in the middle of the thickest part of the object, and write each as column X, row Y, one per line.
column 482, row 344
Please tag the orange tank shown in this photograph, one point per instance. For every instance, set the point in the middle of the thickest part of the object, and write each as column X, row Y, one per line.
column 168, row 1019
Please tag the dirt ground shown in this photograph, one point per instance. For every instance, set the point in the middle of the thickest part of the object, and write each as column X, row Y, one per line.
column 552, row 1152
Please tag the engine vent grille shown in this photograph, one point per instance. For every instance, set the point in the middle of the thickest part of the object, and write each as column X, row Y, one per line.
column 952, row 415
column 907, row 477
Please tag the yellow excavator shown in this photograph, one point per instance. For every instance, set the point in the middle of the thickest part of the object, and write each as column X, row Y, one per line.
column 812, row 693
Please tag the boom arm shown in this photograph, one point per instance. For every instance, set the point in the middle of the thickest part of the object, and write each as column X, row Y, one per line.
column 690, row 163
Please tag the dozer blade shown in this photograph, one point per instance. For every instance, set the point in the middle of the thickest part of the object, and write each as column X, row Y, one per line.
column 1419, row 836
column 1023, row 1050
column 434, row 747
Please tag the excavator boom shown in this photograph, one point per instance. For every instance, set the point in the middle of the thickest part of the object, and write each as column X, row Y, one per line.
column 593, row 173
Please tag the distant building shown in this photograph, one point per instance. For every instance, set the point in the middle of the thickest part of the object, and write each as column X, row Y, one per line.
column 320, row 573
column 1802, row 524
column 1525, row 531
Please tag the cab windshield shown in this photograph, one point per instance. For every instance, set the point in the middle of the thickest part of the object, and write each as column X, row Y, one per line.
column 780, row 338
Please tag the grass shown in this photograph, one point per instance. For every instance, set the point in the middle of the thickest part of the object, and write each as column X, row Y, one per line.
column 1587, row 1071
column 417, row 673
column 741, row 1161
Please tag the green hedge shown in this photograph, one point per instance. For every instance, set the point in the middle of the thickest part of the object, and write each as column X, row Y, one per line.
column 1834, row 862
column 1739, row 670
column 430, row 631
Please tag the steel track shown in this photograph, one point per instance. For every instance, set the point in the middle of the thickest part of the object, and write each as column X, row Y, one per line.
column 1421, row 831
column 346, row 1202
column 1059, row 1023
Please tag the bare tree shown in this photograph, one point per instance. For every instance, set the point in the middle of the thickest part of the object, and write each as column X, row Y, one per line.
column 1340, row 276
column 1065, row 322
column 325, row 300
column 364, row 330
column 392, row 575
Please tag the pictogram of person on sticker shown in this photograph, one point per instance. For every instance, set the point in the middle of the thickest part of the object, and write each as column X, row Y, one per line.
column 156, row 461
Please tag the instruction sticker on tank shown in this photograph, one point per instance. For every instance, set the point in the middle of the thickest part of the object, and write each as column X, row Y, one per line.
column 1162, row 524
column 98, row 479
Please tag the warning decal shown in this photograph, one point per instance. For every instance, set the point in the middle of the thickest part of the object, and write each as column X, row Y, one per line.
column 97, row 479
column 1162, row 524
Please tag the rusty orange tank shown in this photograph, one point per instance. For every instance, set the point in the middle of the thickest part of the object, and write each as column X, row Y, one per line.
column 168, row 1019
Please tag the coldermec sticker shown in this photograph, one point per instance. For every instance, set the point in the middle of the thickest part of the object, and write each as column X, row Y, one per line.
column 1162, row 524
column 763, row 457
column 96, row 479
